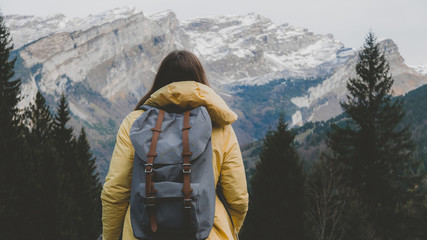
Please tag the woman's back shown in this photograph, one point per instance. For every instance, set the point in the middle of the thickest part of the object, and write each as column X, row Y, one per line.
column 227, row 162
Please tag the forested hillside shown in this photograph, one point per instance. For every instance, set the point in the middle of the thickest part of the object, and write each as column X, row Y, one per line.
column 310, row 138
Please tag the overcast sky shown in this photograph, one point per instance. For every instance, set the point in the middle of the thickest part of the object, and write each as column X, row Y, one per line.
column 404, row 21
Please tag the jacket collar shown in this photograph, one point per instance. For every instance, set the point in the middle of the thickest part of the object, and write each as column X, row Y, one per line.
column 191, row 94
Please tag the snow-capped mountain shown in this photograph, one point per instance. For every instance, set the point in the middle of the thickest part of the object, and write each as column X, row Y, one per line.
column 28, row 28
column 104, row 64
column 119, row 56
column 243, row 48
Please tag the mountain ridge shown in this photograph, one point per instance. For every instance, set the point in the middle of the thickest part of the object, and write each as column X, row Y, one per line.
column 105, row 69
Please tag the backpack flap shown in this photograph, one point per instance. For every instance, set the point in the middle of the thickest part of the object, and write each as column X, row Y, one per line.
column 169, row 145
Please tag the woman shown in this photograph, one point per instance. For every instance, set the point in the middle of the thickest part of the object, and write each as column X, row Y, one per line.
column 180, row 81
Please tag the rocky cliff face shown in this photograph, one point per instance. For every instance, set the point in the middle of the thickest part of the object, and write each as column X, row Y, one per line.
column 26, row 28
column 105, row 63
column 248, row 49
column 103, row 71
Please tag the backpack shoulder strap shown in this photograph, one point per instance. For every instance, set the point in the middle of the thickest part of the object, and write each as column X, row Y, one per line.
column 186, row 167
column 149, row 184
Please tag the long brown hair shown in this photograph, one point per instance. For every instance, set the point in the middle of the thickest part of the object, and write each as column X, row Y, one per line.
column 176, row 66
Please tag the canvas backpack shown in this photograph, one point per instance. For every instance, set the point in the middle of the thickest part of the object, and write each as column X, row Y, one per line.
column 173, row 189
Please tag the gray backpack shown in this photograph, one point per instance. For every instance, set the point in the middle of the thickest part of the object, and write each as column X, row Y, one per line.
column 173, row 189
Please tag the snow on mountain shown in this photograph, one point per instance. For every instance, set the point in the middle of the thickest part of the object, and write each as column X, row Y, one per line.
column 421, row 68
column 242, row 49
column 297, row 119
column 104, row 63
column 110, row 56
column 28, row 28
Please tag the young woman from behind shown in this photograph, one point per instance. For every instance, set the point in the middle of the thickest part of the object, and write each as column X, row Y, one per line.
column 180, row 82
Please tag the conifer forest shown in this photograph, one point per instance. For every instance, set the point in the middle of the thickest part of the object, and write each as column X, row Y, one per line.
column 368, row 182
column 49, row 187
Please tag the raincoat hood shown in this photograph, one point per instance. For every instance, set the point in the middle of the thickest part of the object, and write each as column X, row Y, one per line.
column 191, row 94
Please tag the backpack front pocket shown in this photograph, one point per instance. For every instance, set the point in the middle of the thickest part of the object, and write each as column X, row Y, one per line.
column 168, row 207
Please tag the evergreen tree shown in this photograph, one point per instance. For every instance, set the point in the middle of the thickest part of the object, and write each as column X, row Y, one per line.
column 88, row 191
column 374, row 153
column 12, row 165
column 9, row 88
column 39, row 120
column 40, row 149
column 63, row 134
column 277, row 200
column 65, row 144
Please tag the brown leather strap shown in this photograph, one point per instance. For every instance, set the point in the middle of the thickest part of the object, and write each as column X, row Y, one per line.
column 149, row 184
column 186, row 167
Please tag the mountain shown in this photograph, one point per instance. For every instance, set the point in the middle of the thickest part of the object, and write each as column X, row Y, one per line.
column 103, row 71
column 251, row 49
column 104, row 64
column 28, row 28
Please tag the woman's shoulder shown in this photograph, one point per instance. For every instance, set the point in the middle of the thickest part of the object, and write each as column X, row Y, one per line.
column 130, row 118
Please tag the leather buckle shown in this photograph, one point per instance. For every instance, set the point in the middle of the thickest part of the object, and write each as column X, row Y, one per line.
column 147, row 165
column 184, row 166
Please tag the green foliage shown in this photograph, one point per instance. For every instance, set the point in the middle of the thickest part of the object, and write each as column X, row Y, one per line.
column 58, row 175
column 79, row 187
column 415, row 208
column 415, row 103
column 88, row 189
column 13, row 183
column 49, row 188
column 375, row 155
column 40, row 149
column 277, row 201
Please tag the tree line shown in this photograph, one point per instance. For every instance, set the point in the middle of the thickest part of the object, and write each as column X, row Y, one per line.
column 49, row 188
column 368, row 184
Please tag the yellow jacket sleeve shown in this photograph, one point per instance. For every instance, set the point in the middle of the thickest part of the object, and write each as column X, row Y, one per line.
column 116, row 191
column 233, row 179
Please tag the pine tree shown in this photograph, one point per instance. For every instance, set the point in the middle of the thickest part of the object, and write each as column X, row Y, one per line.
column 41, row 153
column 12, row 165
column 374, row 153
column 65, row 144
column 39, row 120
column 88, row 191
column 63, row 134
column 9, row 88
column 277, row 200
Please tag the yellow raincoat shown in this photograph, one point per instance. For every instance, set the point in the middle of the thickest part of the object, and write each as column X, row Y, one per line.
column 227, row 163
